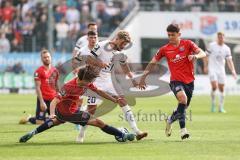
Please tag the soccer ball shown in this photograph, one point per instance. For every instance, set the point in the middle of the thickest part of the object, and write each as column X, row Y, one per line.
column 124, row 130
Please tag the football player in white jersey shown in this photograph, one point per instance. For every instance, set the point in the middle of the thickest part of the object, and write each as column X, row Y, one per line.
column 106, row 51
column 83, row 41
column 218, row 52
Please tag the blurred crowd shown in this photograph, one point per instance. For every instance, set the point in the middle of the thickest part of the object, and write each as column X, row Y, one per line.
column 191, row 5
column 24, row 24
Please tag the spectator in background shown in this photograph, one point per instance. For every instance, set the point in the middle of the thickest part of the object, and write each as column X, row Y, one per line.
column 41, row 33
column 16, row 46
column 8, row 11
column 62, row 29
column 28, row 26
column 4, row 44
column 18, row 68
column 72, row 15
column 58, row 15
column 104, row 17
column 74, row 29
column 6, row 28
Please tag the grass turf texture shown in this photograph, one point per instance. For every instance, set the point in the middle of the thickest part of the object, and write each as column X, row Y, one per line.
column 213, row 135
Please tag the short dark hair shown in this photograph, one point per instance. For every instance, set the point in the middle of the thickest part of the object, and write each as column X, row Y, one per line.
column 173, row 28
column 87, row 74
column 91, row 24
column 92, row 33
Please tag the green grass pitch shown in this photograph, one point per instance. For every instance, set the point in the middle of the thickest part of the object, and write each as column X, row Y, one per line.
column 214, row 136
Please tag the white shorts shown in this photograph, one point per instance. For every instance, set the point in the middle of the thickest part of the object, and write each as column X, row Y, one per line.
column 217, row 76
column 106, row 85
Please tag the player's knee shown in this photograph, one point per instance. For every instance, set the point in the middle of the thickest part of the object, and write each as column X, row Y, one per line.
column 183, row 99
column 122, row 102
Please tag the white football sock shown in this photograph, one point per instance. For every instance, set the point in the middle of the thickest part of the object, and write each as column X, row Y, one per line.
column 130, row 119
column 213, row 98
column 221, row 100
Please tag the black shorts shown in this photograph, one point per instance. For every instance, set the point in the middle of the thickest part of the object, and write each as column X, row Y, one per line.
column 177, row 86
column 40, row 115
column 80, row 117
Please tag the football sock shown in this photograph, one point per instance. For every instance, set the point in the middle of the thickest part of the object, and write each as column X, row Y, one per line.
column 130, row 118
column 221, row 100
column 112, row 131
column 179, row 113
column 213, row 98
column 32, row 120
column 46, row 125
column 82, row 130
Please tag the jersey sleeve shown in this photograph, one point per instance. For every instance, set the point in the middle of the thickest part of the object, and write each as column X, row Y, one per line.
column 37, row 75
column 62, row 93
column 92, row 87
column 228, row 53
column 159, row 54
column 193, row 47
column 78, row 44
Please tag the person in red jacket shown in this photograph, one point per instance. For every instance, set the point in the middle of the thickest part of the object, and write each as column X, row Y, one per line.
column 180, row 55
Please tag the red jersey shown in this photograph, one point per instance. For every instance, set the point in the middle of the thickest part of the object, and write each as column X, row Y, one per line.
column 69, row 96
column 7, row 13
column 48, row 79
column 180, row 67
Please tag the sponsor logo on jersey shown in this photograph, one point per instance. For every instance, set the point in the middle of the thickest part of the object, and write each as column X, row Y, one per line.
column 178, row 58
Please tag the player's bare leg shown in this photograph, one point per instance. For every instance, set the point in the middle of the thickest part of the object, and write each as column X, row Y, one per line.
column 214, row 86
column 128, row 114
column 221, row 98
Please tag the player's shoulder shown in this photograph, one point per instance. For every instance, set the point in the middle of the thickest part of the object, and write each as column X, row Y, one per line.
column 40, row 69
column 186, row 41
column 226, row 46
column 82, row 38
column 103, row 43
column 213, row 43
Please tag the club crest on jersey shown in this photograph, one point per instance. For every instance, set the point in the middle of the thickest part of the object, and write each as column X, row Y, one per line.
column 35, row 74
column 181, row 49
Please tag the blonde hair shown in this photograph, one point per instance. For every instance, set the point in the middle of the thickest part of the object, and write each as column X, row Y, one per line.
column 44, row 51
column 124, row 35
column 220, row 33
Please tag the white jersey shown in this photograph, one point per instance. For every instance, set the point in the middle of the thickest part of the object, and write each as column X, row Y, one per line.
column 217, row 55
column 103, row 52
column 82, row 41
column 84, row 51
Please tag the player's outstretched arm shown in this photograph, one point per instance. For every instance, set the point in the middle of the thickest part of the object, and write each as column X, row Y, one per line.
column 105, row 95
column 95, row 62
column 151, row 64
column 205, row 65
column 231, row 67
column 53, row 104
column 127, row 71
column 199, row 54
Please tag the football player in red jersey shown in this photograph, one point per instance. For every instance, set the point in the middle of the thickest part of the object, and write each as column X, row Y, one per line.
column 64, row 107
column 180, row 55
column 46, row 77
